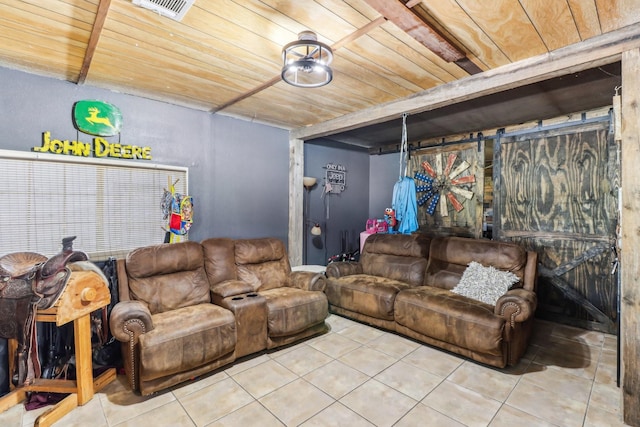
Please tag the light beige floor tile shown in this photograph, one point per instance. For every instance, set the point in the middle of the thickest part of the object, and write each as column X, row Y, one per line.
column 264, row 378
column 559, row 381
column 393, row 345
column 413, row 382
column 463, row 405
column 432, row 360
column 279, row 351
column 576, row 358
column 508, row 416
column 361, row 333
column 335, row 345
column 29, row 417
column 338, row 323
column 607, row 371
column 555, row 408
column 198, row 384
column 610, row 342
column 336, row 379
column 519, row 368
column 253, row 414
column 597, row 417
column 607, row 397
column 561, row 366
column 303, row 359
column 170, row 415
column 120, row 404
column 296, row 402
column 88, row 414
column 592, row 338
column 337, row 415
column 488, row 382
column 367, row 360
column 215, row 401
column 246, row 363
column 378, row 403
column 424, row 416
column 13, row 416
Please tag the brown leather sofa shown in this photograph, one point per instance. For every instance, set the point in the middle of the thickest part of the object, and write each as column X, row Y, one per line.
column 188, row 308
column 404, row 283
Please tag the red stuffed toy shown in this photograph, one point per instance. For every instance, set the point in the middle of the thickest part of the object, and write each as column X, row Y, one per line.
column 390, row 217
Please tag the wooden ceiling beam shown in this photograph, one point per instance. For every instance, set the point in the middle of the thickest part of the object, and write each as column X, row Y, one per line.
column 596, row 51
column 398, row 13
column 96, row 32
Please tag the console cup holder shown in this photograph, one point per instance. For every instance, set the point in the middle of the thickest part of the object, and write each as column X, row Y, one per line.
column 237, row 298
column 252, row 295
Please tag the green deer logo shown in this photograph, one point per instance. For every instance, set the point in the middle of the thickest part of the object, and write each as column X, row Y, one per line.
column 97, row 118
column 94, row 119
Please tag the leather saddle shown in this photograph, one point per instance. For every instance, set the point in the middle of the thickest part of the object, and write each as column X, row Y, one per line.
column 28, row 282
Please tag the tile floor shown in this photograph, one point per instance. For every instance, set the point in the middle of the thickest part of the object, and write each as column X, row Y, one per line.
column 357, row 375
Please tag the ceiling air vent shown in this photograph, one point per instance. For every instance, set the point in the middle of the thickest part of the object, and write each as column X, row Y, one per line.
column 174, row 9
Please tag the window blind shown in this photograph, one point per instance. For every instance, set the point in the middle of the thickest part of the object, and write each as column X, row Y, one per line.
column 110, row 206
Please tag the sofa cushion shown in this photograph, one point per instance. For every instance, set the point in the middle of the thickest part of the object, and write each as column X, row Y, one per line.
column 450, row 256
column 369, row 295
column 186, row 338
column 292, row 310
column 168, row 276
column 219, row 259
column 485, row 284
column 400, row 257
column 451, row 318
column 263, row 263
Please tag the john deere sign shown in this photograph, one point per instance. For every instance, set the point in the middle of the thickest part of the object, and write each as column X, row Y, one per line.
column 97, row 118
column 94, row 118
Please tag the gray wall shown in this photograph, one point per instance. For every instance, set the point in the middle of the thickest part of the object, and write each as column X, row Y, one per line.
column 238, row 170
column 347, row 211
column 384, row 170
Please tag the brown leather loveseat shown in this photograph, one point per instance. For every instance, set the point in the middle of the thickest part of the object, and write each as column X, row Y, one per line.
column 188, row 308
column 405, row 283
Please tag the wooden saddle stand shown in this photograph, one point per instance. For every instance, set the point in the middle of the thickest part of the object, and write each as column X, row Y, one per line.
column 36, row 289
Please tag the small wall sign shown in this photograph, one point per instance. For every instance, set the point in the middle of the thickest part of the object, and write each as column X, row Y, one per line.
column 335, row 177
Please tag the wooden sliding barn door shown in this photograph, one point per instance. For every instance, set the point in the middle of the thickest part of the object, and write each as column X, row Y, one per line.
column 556, row 192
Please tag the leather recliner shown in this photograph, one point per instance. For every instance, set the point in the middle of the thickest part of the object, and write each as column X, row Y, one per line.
column 188, row 308
column 169, row 329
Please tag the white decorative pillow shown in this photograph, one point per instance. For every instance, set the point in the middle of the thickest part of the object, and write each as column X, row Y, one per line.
column 485, row 284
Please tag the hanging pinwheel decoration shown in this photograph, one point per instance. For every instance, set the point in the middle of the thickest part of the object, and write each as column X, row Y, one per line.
column 440, row 185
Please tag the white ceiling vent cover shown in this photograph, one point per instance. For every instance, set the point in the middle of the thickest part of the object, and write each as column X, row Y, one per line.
column 174, row 9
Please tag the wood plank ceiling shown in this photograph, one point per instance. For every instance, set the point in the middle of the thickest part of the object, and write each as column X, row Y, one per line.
column 225, row 55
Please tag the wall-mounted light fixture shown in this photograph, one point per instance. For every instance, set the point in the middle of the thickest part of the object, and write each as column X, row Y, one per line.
column 306, row 61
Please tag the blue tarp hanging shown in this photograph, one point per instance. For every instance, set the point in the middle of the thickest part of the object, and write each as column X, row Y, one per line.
column 404, row 191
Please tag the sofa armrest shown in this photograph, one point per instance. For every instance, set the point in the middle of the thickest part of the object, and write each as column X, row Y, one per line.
column 308, row 281
column 129, row 320
column 229, row 288
column 343, row 268
column 517, row 305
